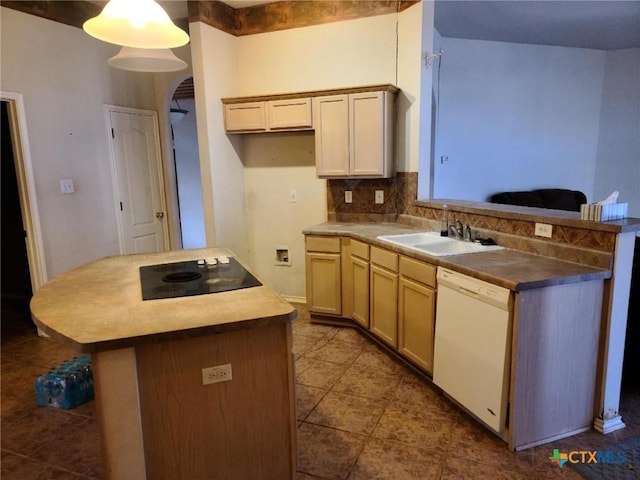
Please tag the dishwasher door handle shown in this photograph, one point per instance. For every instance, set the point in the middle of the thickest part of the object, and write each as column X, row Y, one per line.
column 468, row 293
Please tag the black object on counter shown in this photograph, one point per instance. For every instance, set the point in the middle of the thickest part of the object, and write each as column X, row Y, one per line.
column 183, row 279
column 486, row 241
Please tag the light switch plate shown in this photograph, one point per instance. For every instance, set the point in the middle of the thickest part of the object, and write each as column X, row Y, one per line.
column 379, row 196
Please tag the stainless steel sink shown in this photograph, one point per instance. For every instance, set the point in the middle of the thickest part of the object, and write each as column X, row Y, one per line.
column 433, row 244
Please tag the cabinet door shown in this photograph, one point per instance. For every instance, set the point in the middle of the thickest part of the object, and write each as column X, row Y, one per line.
column 360, row 285
column 416, row 322
column 383, row 313
column 331, row 122
column 324, row 285
column 367, row 134
column 239, row 117
column 289, row 114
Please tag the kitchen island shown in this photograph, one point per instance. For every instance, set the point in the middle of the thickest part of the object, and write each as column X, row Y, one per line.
column 157, row 420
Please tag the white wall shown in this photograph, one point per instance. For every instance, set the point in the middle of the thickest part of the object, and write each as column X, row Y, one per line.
column 334, row 55
column 514, row 116
column 275, row 165
column 215, row 58
column 65, row 80
column 414, row 39
column 618, row 159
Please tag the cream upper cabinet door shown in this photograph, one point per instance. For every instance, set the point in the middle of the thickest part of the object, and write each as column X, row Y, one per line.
column 331, row 122
column 245, row 117
column 366, row 133
column 354, row 135
column 290, row 114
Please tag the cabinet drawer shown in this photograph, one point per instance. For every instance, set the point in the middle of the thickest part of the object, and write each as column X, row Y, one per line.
column 323, row 244
column 418, row 271
column 384, row 258
column 359, row 249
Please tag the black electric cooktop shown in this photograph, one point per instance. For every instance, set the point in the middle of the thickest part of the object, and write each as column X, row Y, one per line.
column 194, row 277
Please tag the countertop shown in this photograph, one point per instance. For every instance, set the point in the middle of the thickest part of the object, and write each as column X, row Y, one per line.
column 99, row 306
column 508, row 268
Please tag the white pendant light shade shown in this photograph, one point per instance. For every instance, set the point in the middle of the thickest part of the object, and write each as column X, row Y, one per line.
column 136, row 23
column 147, row 60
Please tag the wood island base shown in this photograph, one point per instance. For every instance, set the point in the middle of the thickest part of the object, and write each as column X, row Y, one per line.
column 158, row 421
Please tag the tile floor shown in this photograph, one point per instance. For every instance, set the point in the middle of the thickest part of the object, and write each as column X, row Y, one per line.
column 362, row 416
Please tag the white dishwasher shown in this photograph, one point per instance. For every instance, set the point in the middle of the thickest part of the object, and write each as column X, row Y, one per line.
column 472, row 349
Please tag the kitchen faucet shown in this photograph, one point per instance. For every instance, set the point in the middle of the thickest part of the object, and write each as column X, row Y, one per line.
column 457, row 229
column 460, row 231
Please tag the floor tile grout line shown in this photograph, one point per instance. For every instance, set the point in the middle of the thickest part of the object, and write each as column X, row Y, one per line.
column 47, row 464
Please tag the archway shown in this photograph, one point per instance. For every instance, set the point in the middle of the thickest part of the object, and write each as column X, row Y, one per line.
column 187, row 165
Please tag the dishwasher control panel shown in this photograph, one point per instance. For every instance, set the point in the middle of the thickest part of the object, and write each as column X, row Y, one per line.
column 488, row 292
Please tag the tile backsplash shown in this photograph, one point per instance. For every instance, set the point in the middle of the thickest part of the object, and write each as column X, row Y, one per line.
column 573, row 243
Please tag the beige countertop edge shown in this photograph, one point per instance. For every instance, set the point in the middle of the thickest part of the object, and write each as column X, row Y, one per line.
column 545, row 215
column 490, row 266
column 155, row 337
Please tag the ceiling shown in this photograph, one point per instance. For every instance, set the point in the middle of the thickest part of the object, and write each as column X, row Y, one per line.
column 596, row 24
column 601, row 25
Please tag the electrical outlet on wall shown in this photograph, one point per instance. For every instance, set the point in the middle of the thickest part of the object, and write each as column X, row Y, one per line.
column 348, row 196
column 379, row 197
column 544, row 230
column 217, row 374
column 66, row 186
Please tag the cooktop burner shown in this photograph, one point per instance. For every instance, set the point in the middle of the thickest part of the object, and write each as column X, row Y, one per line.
column 194, row 277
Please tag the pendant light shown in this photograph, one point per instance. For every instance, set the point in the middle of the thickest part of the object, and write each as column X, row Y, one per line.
column 147, row 60
column 176, row 114
column 136, row 23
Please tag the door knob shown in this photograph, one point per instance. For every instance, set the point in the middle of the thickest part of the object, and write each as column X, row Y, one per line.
column 159, row 214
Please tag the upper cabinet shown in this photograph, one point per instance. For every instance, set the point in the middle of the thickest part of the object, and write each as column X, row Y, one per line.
column 354, row 134
column 268, row 116
column 245, row 117
column 354, row 127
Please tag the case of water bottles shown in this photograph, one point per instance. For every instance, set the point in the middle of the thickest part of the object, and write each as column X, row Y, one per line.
column 67, row 385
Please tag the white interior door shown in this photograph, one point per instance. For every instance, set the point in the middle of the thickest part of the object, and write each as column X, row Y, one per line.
column 137, row 179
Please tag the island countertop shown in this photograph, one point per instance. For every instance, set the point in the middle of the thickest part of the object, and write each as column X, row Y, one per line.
column 99, row 306
column 508, row 268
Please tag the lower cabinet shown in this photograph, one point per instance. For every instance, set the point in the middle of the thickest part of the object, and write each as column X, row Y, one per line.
column 383, row 291
column 359, row 282
column 391, row 295
column 323, row 275
column 416, row 311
